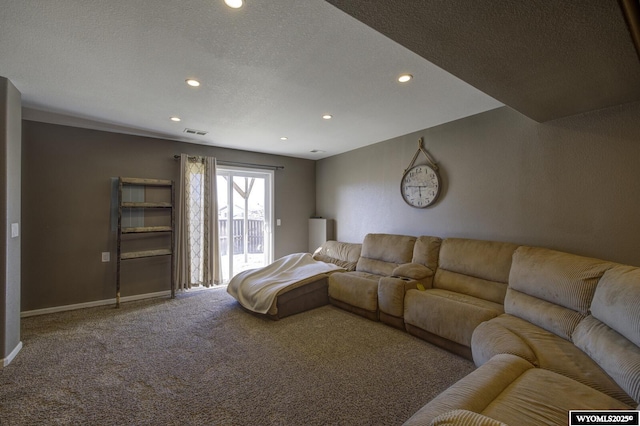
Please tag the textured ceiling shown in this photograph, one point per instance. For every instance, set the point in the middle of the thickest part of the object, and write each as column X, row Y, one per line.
column 268, row 70
column 546, row 59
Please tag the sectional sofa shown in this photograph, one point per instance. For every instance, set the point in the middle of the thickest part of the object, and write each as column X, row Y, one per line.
column 549, row 331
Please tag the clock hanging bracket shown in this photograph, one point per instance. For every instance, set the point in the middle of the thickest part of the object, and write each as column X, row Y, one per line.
column 421, row 149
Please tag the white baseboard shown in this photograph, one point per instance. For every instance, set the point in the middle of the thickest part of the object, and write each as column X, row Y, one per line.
column 93, row 304
column 6, row 361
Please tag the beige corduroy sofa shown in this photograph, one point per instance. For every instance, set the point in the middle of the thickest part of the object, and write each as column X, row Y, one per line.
column 549, row 331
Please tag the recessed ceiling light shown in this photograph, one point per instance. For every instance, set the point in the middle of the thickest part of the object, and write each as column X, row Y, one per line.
column 284, row 138
column 175, row 119
column 327, row 116
column 235, row 4
column 193, row 82
column 404, row 78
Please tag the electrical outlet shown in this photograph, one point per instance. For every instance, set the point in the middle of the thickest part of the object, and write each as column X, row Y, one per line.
column 106, row 256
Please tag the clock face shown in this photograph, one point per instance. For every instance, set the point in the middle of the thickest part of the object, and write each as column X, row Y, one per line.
column 420, row 186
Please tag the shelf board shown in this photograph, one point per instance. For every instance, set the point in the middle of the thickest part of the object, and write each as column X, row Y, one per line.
column 146, row 253
column 144, row 205
column 143, row 229
column 148, row 182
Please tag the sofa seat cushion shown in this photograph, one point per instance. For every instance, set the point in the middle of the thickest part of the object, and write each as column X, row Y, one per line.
column 359, row 289
column 448, row 314
column 511, row 390
column 512, row 335
column 541, row 397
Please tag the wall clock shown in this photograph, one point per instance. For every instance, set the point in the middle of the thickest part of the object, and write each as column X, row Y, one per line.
column 420, row 185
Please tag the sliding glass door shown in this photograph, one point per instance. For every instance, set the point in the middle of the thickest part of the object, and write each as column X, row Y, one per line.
column 245, row 205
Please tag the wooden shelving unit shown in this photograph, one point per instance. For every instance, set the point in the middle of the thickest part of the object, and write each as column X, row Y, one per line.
column 167, row 206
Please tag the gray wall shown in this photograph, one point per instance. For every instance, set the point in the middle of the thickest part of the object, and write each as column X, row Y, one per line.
column 571, row 184
column 66, row 209
column 10, row 143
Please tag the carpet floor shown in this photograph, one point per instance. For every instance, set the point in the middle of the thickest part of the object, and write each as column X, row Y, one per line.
column 201, row 360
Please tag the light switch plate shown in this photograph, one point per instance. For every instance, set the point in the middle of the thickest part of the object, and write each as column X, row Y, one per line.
column 106, row 256
column 15, row 230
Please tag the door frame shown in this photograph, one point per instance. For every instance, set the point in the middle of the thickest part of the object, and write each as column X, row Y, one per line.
column 269, row 228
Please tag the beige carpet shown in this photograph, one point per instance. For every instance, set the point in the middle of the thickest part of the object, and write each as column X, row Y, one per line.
column 201, row 360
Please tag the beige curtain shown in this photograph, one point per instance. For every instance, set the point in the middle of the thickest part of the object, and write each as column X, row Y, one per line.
column 211, row 273
column 197, row 246
column 183, row 264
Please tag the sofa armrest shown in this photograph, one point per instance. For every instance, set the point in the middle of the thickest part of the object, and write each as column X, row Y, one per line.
column 391, row 291
column 466, row 418
column 415, row 271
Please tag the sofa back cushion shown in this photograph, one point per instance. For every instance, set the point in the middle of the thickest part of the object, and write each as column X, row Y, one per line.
column 426, row 251
column 611, row 334
column 345, row 255
column 474, row 267
column 617, row 301
column 382, row 253
column 552, row 289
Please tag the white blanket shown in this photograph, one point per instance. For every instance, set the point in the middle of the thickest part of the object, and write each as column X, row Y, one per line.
column 256, row 289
